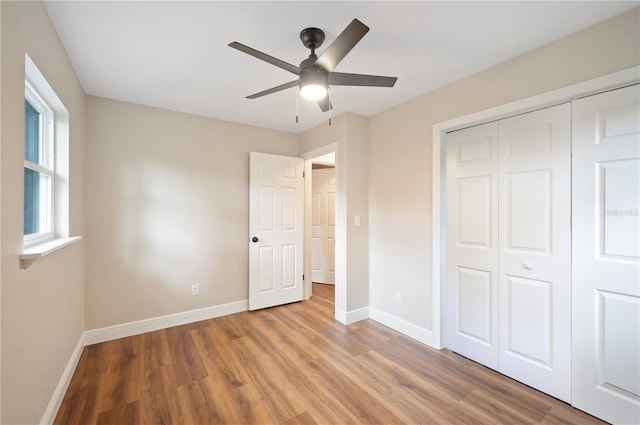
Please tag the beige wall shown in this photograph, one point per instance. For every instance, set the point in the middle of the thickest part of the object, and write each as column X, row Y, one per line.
column 42, row 307
column 400, row 198
column 350, row 132
column 357, row 171
column 167, row 207
column 0, row 215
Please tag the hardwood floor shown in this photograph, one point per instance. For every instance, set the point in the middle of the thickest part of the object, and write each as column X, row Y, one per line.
column 294, row 365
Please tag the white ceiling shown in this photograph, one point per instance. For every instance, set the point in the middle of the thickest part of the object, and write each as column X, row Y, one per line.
column 174, row 54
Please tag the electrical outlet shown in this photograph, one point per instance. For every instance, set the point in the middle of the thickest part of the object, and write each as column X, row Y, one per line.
column 195, row 289
column 398, row 297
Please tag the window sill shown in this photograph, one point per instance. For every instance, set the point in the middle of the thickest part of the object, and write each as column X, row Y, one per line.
column 33, row 253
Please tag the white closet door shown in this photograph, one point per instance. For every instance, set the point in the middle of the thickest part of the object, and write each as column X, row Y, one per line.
column 606, row 254
column 535, row 249
column 323, row 226
column 472, row 237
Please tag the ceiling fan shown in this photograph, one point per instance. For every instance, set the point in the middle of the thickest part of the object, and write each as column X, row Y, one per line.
column 316, row 73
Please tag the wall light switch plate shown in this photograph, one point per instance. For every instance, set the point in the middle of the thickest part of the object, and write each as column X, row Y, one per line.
column 357, row 220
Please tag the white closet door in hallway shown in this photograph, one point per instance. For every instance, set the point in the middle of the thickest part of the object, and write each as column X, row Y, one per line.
column 323, row 226
column 606, row 254
column 508, row 247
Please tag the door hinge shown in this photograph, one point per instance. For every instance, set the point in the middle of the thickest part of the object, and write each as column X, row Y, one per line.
column 302, row 277
column 303, row 174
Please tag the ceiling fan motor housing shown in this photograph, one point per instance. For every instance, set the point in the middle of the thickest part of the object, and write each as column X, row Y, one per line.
column 314, row 75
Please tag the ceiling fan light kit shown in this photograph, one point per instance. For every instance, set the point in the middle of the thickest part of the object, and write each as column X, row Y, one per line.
column 315, row 74
column 313, row 91
column 313, row 83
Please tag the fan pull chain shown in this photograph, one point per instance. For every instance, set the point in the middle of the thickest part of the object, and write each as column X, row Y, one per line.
column 297, row 106
column 329, row 99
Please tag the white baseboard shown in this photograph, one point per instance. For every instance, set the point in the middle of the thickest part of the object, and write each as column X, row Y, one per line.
column 63, row 384
column 357, row 315
column 349, row 317
column 423, row 335
column 109, row 333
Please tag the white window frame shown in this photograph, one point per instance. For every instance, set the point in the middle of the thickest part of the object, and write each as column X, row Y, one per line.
column 55, row 127
column 46, row 148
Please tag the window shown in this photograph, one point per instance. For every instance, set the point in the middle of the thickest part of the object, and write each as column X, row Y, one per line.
column 39, row 172
column 46, row 169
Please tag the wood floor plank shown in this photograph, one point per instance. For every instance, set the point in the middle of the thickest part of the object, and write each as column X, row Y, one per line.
column 319, row 401
column 246, row 407
column 184, row 358
column 197, row 405
column 294, row 364
column 441, row 403
column 427, row 370
column 159, row 398
column 355, row 398
column 268, row 379
column 489, row 408
column 127, row 414
column 563, row 414
column 156, row 350
column 303, row 418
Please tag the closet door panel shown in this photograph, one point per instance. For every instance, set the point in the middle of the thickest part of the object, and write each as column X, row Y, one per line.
column 474, row 211
column 472, row 254
column 535, row 249
column 529, row 320
column 606, row 255
column 528, row 196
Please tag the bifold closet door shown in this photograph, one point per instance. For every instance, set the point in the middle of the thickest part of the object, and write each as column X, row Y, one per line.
column 472, row 243
column 508, row 247
column 535, row 249
column 606, row 255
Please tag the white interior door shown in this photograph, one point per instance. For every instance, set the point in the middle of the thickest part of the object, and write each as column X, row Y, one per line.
column 323, row 226
column 535, row 249
column 276, row 203
column 606, row 254
column 472, row 238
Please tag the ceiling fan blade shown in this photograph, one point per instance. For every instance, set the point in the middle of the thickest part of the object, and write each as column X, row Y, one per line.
column 342, row 45
column 274, row 89
column 325, row 104
column 344, row 79
column 265, row 57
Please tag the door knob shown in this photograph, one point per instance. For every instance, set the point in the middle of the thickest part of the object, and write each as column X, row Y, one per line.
column 254, row 239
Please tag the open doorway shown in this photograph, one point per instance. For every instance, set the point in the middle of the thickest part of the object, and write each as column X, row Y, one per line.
column 323, row 219
column 325, row 156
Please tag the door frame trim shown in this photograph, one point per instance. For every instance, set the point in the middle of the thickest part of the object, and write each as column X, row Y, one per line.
column 544, row 100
